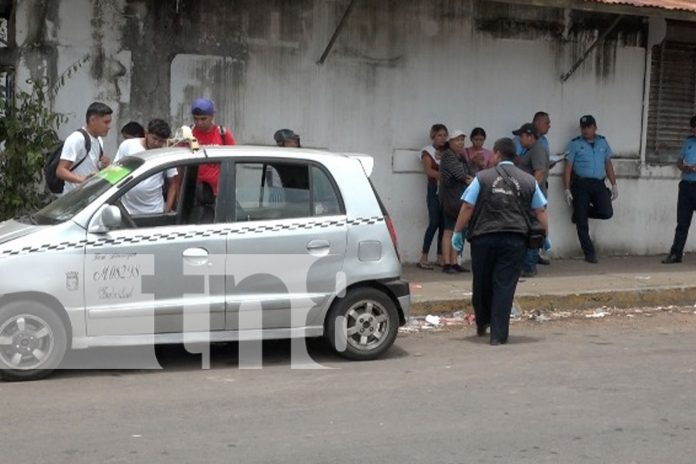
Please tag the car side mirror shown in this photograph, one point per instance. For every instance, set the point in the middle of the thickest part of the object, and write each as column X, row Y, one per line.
column 107, row 218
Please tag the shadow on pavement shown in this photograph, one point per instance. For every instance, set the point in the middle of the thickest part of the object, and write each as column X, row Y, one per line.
column 125, row 361
column 513, row 340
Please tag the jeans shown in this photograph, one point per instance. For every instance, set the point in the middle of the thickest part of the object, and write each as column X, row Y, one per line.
column 434, row 220
column 531, row 258
column 686, row 205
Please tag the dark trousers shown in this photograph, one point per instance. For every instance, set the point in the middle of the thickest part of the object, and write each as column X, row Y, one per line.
column 591, row 199
column 496, row 261
column 434, row 220
column 686, row 205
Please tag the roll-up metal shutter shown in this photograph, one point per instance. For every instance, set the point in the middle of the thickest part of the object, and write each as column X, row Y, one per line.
column 672, row 100
column 672, row 92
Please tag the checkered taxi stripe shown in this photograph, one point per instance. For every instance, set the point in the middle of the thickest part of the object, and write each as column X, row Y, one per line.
column 209, row 231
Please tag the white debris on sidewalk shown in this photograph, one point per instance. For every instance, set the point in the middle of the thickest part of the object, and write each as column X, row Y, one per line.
column 437, row 323
column 597, row 313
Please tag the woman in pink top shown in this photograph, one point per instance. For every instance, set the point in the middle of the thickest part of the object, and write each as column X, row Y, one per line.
column 478, row 157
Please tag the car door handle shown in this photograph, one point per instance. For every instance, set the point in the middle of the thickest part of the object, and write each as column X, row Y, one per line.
column 195, row 256
column 318, row 246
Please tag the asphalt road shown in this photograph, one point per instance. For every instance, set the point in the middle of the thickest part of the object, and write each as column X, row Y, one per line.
column 616, row 390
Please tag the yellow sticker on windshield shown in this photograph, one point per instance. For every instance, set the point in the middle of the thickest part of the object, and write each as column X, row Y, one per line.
column 113, row 173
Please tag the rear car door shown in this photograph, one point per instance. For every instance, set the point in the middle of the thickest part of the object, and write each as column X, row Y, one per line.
column 287, row 246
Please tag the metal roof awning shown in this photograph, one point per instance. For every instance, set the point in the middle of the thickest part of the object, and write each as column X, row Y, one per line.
column 683, row 5
column 668, row 9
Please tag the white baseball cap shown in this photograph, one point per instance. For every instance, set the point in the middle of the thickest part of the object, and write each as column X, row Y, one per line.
column 457, row 133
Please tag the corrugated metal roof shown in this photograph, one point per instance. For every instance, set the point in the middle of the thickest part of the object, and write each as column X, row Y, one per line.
column 683, row 5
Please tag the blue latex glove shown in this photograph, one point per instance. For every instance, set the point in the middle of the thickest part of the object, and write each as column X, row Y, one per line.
column 547, row 245
column 458, row 241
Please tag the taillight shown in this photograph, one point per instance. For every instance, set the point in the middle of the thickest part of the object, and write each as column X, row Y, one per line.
column 392, row 234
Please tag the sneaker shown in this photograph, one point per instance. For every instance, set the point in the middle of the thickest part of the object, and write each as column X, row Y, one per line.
column 449, row 269
column 543, row 261
column 591, row 259
column 530, row 273
column 459, row 268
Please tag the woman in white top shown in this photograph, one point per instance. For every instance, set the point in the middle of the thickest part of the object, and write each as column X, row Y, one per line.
column 430, row 159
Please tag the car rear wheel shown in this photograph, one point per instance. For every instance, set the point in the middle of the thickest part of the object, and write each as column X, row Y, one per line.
column 363, row 324
column 33, row 341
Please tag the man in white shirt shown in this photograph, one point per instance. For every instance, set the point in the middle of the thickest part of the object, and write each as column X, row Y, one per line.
column 77, row 164
column 147, row 197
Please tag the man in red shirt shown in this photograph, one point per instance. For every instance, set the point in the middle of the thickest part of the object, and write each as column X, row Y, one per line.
column 209, row 133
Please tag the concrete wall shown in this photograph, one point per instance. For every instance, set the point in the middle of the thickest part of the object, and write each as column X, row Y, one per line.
column 397, row 68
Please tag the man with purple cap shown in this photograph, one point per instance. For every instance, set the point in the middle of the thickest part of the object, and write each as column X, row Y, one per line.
column 208, row 133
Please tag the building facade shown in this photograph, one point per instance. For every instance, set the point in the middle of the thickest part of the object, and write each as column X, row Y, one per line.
column 393, row 69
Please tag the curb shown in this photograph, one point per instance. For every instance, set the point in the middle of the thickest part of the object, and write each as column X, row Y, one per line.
column 643, row 298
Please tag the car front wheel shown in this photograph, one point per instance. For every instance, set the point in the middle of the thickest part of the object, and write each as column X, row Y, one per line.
column 33, row 341
column 363, row 324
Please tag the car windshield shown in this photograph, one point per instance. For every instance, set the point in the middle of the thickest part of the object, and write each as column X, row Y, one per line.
column 68, row 205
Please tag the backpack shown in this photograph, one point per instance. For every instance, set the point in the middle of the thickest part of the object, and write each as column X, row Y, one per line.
column 53, row 182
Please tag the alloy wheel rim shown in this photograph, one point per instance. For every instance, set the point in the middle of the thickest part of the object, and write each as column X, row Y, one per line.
column 367, row 324
column 26, row 342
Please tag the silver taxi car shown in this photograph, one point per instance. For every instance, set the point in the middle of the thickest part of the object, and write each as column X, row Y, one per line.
column 281, row 243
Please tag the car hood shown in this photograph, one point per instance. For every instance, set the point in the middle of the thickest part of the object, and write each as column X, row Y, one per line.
column 10, row 230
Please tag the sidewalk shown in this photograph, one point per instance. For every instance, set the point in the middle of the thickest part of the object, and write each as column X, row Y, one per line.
column 567, row 284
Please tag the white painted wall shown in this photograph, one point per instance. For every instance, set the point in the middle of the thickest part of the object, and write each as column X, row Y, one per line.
column 383, row 97
column 391, row 75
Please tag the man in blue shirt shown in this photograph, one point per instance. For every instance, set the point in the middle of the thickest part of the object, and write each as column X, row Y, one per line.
column 542, row 124
column 588, row 163
column 686, row 202
column 497, row 208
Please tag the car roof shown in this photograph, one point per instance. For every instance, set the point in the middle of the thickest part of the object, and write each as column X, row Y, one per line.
column 234, row 151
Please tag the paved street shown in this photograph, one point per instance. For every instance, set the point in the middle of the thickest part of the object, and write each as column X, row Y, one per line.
column 613, row 390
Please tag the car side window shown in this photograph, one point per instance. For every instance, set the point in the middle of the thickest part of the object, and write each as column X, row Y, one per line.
column 177, row 195
column 324, row 196
column 273, row 190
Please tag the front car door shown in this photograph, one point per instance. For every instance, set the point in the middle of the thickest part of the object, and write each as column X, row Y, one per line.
column 164, row 277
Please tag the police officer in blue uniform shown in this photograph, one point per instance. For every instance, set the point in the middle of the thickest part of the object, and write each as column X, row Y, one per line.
column 588, row 164
column 496, row 208
column 686, row 202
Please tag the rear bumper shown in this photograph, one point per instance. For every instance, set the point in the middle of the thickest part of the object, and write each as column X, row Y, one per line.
column 401, row 291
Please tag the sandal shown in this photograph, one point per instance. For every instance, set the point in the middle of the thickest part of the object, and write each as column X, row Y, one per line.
column 424, row 266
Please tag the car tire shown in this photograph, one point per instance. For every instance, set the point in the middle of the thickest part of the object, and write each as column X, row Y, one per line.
column 362, row 325
column 33, row 341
